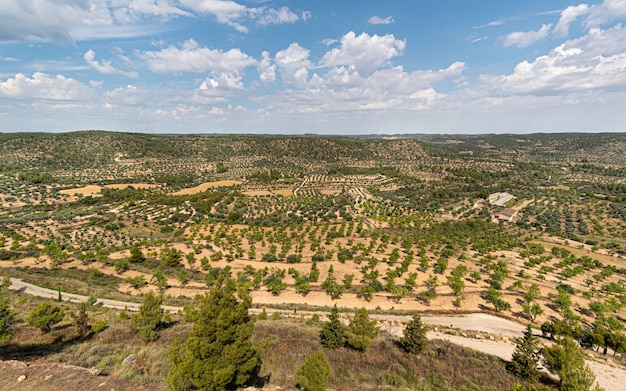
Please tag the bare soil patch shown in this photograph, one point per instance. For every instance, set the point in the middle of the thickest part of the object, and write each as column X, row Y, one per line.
column 89, row 190
column 205, row 186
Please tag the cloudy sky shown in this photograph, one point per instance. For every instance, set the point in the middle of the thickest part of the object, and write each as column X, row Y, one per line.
column 313, row 66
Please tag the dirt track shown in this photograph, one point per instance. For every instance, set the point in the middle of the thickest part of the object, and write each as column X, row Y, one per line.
column 608, row 377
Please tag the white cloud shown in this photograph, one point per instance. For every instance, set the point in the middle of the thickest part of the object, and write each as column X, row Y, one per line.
column 222, row 81
column 608, row 11
column 161, row 8
column 105, row 66
column 190, row 57
column 235, row 15
column 379, row 20
column 593, row 62
column 522, row 39
column 366, row 53
column 293, row 64
column 44, row 20
column 267, row 70
column 281, row 15
column 44, row 87
column 568, row 16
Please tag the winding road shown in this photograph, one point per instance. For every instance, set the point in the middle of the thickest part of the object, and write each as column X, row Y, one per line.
column 608, row 377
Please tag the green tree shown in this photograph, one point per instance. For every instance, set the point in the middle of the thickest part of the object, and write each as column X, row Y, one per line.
column 171, row 257
column 44, row 316
column 566, row 360
column 525, row 362
column 136, row 256
column 314, row 274
column 362, row 330
column 414, row 336
column 7, row 319
column 314, row 372
column 218, row 352
column 334, row 332
column 147, row 321
column 158, row 279
column 532, row 310
column 81, row 319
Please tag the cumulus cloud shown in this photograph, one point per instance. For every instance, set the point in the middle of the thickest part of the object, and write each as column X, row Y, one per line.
column 267, row 70
column 379, row 20
column 608, row 11
column 568, row 16
column 595, row 61
column 44, row 87
column 293, row 64
column 364, row 52
column 191, row 57
column 522, row 39
column 105, row 66
column 222, row 81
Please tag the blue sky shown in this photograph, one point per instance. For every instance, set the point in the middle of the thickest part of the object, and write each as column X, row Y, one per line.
column 313, row 66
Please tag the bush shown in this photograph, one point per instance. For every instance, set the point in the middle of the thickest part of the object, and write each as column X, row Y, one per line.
column 314, row 373
column 361, row 330
column 44, row 316
column 99, row 325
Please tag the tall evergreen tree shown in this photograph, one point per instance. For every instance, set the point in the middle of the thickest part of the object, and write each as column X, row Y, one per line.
column 81, row 319
column 414, row 336
column 334, row 332
column 149, row 318
column 525, row 362
column 7, row 319
column 218, row 353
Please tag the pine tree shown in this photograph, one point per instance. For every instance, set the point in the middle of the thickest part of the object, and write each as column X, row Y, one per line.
column 149, row 318
column 314, row 373
column 44, row 316
column 414, row 336
column 525, row 362
column 566, row 360
column 7, row 319
column 136, row 256
column 362, row 330
column 334, row 332
column 81, row 319
column 218, row 353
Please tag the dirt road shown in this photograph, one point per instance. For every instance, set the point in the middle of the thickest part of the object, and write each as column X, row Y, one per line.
column 608, row 377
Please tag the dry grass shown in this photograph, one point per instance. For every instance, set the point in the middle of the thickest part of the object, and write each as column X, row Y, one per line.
column 442, row 366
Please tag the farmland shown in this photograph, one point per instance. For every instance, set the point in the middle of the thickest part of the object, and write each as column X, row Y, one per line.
column 394, row 225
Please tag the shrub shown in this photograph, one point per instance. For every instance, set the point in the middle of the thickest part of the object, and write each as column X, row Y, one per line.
column 314, row 373
column 44, row 316
column 99, row 325
column 361, row 330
